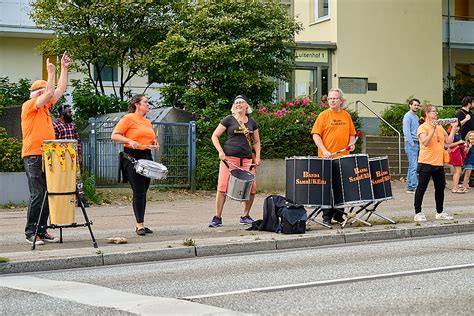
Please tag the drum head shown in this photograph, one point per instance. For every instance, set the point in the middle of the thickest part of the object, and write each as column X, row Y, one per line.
column 242, row 174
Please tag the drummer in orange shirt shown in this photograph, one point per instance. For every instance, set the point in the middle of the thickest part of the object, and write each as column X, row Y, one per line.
column 135, row 131
column 332, row 131
column 37, row 126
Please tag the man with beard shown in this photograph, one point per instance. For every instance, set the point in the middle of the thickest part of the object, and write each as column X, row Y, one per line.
column 65, row 128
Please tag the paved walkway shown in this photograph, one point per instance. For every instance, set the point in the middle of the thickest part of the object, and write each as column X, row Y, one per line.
column 176, row 216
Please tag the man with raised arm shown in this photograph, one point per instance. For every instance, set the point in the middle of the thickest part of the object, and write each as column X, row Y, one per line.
column 37, row 126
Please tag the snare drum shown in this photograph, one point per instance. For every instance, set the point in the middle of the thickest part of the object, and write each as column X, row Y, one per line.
column 351, row 181
column 380, row 177
column 308, row 181
column 151, row 169
column 240, row 184
column 60, row 164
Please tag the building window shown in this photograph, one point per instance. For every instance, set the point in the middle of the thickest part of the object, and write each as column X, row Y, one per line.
column 353, row 85
column 321, row 9
column 107, row 73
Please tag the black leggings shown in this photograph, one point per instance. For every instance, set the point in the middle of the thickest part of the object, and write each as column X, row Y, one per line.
column 139, row 183
column 425, row 172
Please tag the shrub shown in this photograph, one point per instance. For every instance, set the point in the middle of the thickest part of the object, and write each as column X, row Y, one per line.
column 394, row 115
column 90, row 192
column 456, row 89
column 10, row 153
column 87, row 103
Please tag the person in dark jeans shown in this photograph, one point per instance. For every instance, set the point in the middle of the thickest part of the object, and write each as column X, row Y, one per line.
column 432, row 137
column 135, row 131
column 37, row 126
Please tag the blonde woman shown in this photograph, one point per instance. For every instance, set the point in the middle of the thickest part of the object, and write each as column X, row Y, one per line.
column 239, row 128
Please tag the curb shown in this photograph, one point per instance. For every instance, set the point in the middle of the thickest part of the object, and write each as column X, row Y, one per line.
column 276, row 242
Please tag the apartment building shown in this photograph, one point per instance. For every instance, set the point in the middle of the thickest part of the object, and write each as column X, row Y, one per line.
column 381, row 51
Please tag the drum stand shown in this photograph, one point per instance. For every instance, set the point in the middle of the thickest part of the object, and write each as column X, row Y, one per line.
column 314, row 214
column 87, row 223
column 371, row 211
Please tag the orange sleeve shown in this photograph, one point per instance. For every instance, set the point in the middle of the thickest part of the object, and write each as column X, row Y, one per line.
column 318, row 126
column 122, row 126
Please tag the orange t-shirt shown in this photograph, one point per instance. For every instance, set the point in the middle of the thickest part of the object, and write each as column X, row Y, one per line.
column 334, row 128
column 137, row 128
column 36, row 126
column 433, row 153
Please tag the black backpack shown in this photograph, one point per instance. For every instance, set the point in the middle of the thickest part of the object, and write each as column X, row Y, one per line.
column 281, row 215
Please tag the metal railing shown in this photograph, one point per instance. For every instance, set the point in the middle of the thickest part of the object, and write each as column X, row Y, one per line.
column 389, row 125
column 177, row 152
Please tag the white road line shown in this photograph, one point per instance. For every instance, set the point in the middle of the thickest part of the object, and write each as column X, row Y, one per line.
column 331, row 282
column 104, row 297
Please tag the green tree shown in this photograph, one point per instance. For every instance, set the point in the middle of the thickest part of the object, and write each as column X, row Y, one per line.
column 13, row 93
column 217, row 49
column 105, row 33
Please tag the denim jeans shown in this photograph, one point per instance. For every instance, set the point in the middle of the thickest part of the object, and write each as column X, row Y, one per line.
column 37, row 187
column 412, row 154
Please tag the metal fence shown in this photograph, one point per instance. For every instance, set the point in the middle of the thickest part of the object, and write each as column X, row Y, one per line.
column 177, row 152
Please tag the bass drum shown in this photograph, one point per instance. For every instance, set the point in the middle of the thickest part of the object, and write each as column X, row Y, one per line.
column 380, row 177
column 351, row 181
column 308, row 181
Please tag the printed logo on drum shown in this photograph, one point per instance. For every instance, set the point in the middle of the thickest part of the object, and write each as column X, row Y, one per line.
column 361, row 173
column 310, row 178
column 381, row 176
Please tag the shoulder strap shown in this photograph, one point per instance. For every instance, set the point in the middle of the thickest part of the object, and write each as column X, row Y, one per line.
column 246, row 132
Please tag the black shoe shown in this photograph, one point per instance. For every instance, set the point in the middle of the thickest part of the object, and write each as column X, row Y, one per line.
column 327, row 222
column 339, row 220
column 148, row 230
column 140, row 232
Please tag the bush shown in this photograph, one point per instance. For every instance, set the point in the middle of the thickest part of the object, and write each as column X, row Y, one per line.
column 90, row 193
column 284, row 130
column 87, row 103
column 394, row 115
column 10, row 153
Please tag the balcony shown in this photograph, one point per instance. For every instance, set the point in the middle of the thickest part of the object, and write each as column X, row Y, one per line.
column 15, row 20
column 461, row 32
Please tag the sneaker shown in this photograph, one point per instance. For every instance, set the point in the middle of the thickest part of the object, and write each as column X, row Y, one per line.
column 327, row 222
column 419, row 217
column 31, row 239
column 443, row 215
column 410, row 191
column 215, row 222
column 49, row 238
column 246, row 220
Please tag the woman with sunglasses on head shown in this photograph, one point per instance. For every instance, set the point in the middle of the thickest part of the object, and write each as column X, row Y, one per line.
column 242, row 135
column 135, row 131
column 432, row 138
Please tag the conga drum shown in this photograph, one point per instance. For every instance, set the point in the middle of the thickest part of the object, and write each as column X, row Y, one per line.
column 308, row 181
column 60, row 165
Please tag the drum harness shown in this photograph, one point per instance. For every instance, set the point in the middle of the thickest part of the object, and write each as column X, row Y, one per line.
column 246, row 132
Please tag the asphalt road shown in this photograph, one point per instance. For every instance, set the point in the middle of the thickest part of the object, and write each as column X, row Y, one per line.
column 417, row 276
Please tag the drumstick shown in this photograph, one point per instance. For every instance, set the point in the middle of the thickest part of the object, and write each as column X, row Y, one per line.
column 348, row 147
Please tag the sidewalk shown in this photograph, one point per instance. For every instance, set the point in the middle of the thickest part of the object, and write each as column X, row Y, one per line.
column 176, row 216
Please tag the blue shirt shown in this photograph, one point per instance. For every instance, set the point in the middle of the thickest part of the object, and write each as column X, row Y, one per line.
column 470, row 157
column 410, row 127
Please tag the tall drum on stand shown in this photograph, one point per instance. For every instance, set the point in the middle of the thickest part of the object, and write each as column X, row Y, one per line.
column 380, row 176
column 60, row 165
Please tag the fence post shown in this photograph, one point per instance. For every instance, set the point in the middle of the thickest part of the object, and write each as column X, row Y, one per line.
column 192, row 154
column 92, row 144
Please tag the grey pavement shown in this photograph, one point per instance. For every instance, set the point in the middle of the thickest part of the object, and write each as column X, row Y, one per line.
column 179, row 215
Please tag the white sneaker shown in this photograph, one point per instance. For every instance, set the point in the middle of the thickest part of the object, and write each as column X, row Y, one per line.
column 443, row 215
column 419, row 217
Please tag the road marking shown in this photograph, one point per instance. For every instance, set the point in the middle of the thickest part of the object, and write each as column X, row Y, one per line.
column 331, row 282
column 104, row 297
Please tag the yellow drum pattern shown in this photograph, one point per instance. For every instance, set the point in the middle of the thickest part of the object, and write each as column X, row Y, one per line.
column 60, row 165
